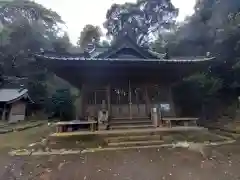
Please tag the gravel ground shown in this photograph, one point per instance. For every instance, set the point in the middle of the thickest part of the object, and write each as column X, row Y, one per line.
column 144, row 164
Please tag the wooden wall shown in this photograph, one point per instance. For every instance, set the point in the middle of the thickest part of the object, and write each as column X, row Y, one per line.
column 149, row 96
column 17, row 111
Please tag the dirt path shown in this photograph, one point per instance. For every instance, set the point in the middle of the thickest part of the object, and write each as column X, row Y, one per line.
column 145, row 164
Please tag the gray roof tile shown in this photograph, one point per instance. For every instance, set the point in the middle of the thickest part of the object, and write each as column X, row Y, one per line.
column 7, row 95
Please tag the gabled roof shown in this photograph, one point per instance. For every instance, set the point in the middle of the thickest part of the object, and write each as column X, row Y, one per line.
column 124, row 43
column 123, row 50
column 11, row 95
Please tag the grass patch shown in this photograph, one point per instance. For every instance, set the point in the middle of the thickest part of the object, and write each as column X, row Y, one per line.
column 25, row 136
column 21, row 139
column 28, row 126
column 199, row 137
column 20, row 126
column 95, row 140
column 77, row 142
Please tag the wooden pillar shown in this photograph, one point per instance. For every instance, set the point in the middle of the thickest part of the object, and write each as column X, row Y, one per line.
column 154, row 117
column 147, row 100
column 82, row 101
column 95, row 97
column 172, row 105
column 77, row 107
column 4, row 113
column 130, row 99
column 109, row 99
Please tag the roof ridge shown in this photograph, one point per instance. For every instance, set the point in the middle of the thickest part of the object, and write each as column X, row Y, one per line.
column 125, row 41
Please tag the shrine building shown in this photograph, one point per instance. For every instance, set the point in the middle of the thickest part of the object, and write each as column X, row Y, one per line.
column 125, row 81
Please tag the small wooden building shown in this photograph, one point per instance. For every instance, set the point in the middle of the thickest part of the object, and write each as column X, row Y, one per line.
column 125, row 80
column 13, row 104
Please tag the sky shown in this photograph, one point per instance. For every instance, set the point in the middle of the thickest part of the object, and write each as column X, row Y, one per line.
column 78, row 13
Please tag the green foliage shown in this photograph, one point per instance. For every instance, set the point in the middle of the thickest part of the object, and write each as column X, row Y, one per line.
column 38, row 90
column 89, row 34
column 61, row 104
column 212, row 29
column 61, row 44
column 204, row 84
column 1, row 75
column 140, row 19
column 28, row 10
column 200, row 87
column 236, row 75
column 195, row 92
column 27, row 27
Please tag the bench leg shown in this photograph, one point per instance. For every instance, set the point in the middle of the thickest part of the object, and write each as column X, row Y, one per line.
column 59, row 129
column 169, row 124
column 185, row 123
column 70, row 129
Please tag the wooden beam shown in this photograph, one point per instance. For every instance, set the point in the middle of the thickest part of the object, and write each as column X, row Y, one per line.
column 109, row 99
column 95, row 97
column 130, row 99
column 147, row 100
column 82, row 103
column 172, row 104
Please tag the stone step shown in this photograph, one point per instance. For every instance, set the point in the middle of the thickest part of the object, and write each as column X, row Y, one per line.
column 122, row 122
column 131, row 126
column 132, row 138
column 135, row 143
column 133, row 118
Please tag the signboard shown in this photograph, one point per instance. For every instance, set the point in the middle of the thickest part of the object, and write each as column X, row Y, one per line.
column 165, row 107
column 154, row 110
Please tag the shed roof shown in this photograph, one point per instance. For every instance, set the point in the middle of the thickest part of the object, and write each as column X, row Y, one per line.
column 10, row 95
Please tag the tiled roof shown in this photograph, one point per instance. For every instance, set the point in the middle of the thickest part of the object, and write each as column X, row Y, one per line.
column 98, row 51
column 126, row 42
column 182, row 59
column 7, row 95
column 123, row 50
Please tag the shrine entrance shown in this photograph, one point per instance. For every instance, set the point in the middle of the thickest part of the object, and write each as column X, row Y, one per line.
column 128, row 102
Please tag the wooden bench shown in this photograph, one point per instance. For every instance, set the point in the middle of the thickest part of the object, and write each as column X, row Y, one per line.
column 67, row 126
column 186, row 121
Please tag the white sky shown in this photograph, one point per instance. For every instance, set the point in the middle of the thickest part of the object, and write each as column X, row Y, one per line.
column 78, row 13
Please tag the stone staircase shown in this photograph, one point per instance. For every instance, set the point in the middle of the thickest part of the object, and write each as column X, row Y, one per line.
column 134, row 140
column 134, row 123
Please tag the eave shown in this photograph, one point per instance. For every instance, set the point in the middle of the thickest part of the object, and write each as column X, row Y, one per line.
column 77, row 70
column 174, row 60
